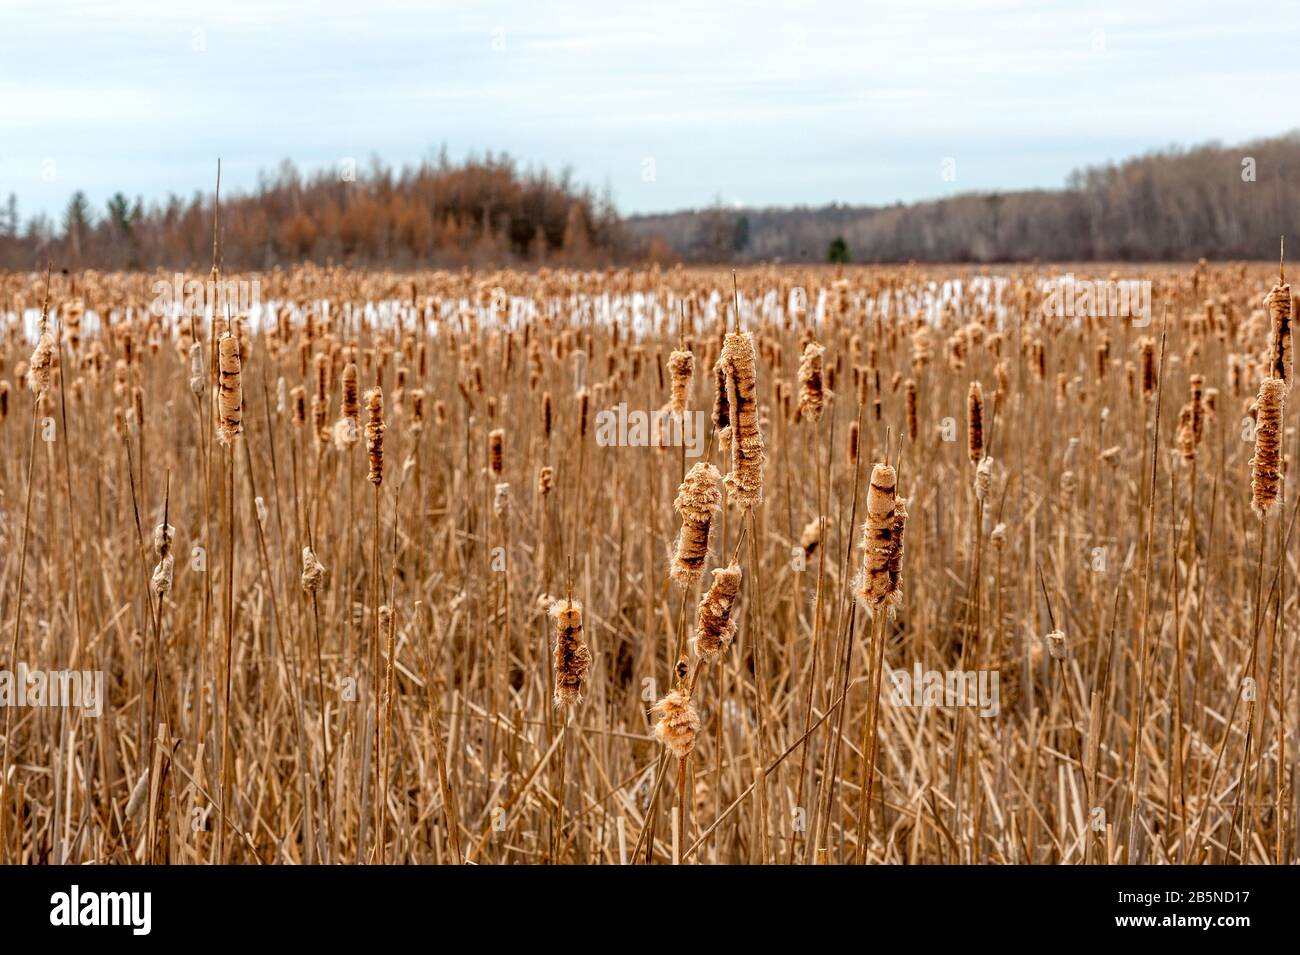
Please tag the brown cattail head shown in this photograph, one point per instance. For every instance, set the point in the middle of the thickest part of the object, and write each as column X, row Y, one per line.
column 298, row 405
column 584, row 411
column 852, row 447
column 1279, row 345
column 975, row 422
column 1196, row 385
column 698, row 497
column 375, row 428
column 546, row 415
column 721, row 415
column 347, row 430
column 572, row 658
column 348, row 406
column 496, row 451
column 745, row 479
column 545, row 479
column 417, row 410
column 678, row 723
column 230, row 395
column 681, row 366
column 40, row 370
column 909, row 407
column 1148, row 368
column 812, row 393
column 313, row 571
column 1266, row 464
column 714, row 628
column 882, row 540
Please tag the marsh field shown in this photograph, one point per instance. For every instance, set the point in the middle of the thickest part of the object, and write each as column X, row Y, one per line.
column 874, row 565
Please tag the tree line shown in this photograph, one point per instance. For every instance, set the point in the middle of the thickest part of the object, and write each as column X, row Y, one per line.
column 439, row 213
column 1215, row 201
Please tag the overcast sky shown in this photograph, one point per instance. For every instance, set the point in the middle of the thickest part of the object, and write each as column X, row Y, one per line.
column 668, row 104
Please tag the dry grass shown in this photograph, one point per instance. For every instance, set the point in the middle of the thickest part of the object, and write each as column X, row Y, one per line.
column 317, row 652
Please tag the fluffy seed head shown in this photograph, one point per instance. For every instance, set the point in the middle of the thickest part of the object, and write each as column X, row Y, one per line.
column 313, row 571
column 572, row 658
column 714, row 628
column 1266, row 464
column 678, row 723
column 812, row 393
column 882, row 541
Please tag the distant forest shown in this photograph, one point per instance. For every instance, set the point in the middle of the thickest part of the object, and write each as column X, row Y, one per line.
column 1214, row 201
column 482, row 211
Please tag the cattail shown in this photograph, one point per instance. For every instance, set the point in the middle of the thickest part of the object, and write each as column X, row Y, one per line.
column 745, row 479
column 313, row 571
column 496, row 451
column 417, row 410
column 1148, row 368
column 298, row 405
column 812, row 397
column 1279, row 346
column 501, row 500
column 348, row 406
column 998, row 536
column 852, row 446
column 721, row 414
column 1266, row 464
column 681, row 366
column 572, row 658
column 1186, row 434
column 714, row 628
column 909, row 407
column 584, row 411
column 4, row 400
column 375, row 428
column 230, row 394
column 678, row 723
column 882, row 540
column 197, row 377
column 163, row 535
column 975, row 422
column 983, row 478
column 347, row 429
column 1197, row 387
column 40, row 370
column 1055, row 641
column 546, row 415
column 161, row 581
column 545, row 478
column 697, row 498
